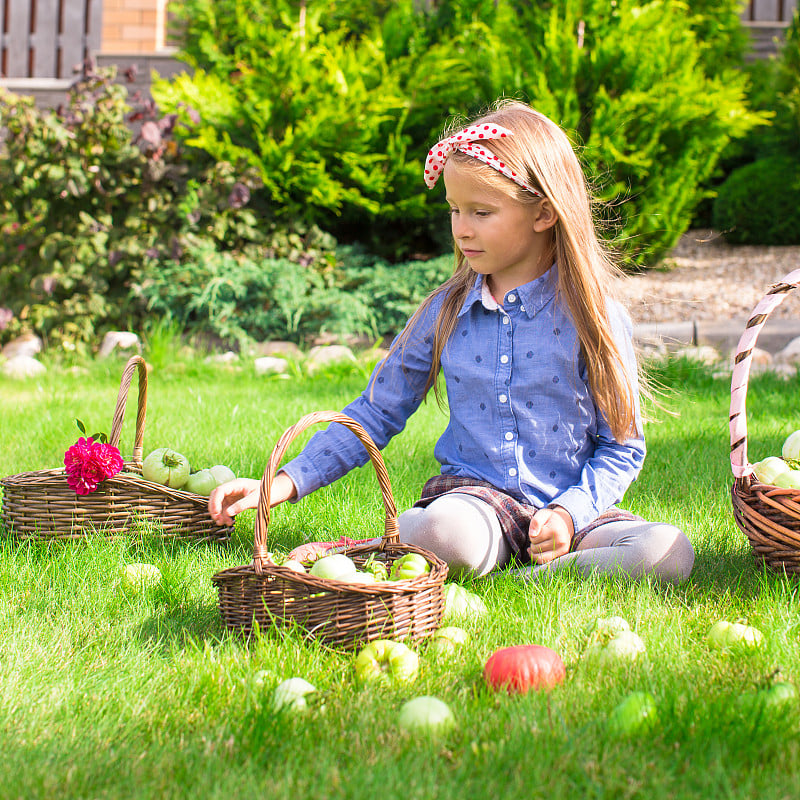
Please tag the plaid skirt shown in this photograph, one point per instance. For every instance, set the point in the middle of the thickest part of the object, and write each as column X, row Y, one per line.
column 515, row 517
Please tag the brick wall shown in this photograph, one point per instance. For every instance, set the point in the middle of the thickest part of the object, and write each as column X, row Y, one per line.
column 133, row 26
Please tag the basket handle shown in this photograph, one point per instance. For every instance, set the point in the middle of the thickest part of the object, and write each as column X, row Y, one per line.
column 134, row 363
column 391, row 531
column 741, row 370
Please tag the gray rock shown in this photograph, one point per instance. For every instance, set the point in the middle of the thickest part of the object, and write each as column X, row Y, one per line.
column 23, row 367
column 328, row 354
column 270, row 365
column 289, row 349
column 119, row 340
column 789, row 354
column 222, row 358
column 28, row 344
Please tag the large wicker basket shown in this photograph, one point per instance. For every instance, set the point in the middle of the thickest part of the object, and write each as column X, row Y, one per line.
column 41, row 505
column 338, row 613
column 768, row 515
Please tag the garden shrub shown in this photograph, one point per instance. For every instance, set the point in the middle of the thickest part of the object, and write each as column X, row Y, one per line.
column 767, row 159
column 337, row 102
column 90, row 211
column 759, row 203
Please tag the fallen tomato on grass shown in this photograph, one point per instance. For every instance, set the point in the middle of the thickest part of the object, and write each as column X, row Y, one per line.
column 386, row 661
column 460, row 603
column 624, row 646
column 522, row 668
column 637, row 713
column 448, row 639
column 140, row 576
column 426, row 714
column 291, row 695
column 724, row 635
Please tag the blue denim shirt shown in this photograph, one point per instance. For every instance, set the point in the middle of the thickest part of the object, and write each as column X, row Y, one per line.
column 521, row 413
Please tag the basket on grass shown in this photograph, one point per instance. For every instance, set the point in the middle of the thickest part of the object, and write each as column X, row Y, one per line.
column 768, row 515
column 336, row 612
column 41, row 504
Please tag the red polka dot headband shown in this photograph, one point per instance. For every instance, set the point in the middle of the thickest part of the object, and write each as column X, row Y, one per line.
column 467, row 141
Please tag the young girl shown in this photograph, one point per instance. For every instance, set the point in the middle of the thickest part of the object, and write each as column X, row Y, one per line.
column 544, row 433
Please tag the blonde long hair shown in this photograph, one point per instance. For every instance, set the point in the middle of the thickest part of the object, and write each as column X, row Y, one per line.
column 541, row 151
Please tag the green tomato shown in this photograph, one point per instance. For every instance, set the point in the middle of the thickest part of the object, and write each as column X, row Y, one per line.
column 377, row 568
column 625, row 646
column 779, row 693
column 140, row 576
column 409, row 566
column 461, row 603
column 222, row 474
column 428, row 714
column 200, row 482
column 386, row 661
column 788, row 480
column 725, row 635
column 637, row 713
column 448, row 639
column 606, row 628
column 337, row 567
column 166, row 467
column 791, row 446
column 361, row 577
column 769, row 468
column 766, row 700
column 290, row 695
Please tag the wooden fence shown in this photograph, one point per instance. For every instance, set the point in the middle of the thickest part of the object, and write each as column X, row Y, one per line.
column 47, row 38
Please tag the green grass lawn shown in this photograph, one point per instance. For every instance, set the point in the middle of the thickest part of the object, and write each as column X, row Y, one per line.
column 113, row 694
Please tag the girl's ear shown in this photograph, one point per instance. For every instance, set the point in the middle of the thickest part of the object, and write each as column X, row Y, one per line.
column 546, row 216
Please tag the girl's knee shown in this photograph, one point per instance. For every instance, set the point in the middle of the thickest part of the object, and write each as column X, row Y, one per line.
column 462, row 531
column 671, row 553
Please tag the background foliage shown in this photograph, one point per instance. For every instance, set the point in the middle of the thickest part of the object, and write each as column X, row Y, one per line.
column 758, row 202
column 338, row 116
column 276, row 192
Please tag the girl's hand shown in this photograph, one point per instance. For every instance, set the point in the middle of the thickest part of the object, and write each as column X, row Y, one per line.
column 233, row 497
column 550, row 533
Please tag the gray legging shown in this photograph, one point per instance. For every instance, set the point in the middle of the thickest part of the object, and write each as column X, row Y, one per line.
column 465, row 532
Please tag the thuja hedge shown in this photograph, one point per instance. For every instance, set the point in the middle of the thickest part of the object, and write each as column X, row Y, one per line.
column 335, row 102
column 759, row 200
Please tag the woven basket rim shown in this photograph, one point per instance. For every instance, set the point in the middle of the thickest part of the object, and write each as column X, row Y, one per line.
column 774, row 296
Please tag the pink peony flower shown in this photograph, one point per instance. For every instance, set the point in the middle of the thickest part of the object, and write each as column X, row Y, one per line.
column 88, row 462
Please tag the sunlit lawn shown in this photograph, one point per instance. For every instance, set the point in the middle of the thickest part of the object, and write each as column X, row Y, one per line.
column 114, row 694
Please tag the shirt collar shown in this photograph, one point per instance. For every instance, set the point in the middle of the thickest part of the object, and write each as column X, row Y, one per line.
column 534, row 295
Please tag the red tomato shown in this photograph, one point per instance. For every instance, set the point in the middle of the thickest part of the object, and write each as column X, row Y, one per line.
column 524, row 667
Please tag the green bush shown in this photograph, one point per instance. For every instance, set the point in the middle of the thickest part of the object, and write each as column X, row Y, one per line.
column 220, row 296
column 759, row 203
column 90, row 212
column 336, row 103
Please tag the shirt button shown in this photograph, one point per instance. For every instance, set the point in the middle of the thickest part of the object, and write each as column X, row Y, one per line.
column 512, row 472
column 522, row 308
column 509, row 436
column 504, row 359
column 512, row 297
column 503, row 398
column 505, row 320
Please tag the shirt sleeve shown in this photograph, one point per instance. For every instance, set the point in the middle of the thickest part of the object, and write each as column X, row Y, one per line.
column 393, row 394
column 613, row 466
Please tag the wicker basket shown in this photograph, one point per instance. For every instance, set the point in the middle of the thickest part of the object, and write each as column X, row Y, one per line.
column 41, row 505
column 335, row 612
column 768, row 515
